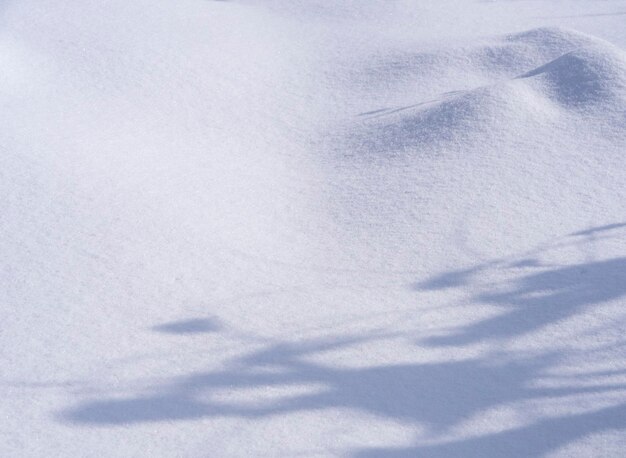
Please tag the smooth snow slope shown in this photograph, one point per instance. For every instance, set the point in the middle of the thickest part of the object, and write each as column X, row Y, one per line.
column 313, row 228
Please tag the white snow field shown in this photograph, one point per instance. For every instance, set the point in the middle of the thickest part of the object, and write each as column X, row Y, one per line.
column 343, row 228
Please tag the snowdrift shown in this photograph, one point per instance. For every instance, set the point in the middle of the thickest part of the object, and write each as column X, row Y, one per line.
column 586, row 78
column 398, row 227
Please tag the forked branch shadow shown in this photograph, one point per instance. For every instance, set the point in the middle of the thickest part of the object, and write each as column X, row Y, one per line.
column 439, row 395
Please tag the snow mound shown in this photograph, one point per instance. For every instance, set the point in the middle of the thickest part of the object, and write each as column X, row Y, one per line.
column 589, row 79
column 551, row 38
column 592, row 75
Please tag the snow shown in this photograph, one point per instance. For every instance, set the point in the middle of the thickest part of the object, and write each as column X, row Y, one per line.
column 313, row 228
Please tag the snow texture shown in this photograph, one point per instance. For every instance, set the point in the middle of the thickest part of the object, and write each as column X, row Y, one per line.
column 313, row 228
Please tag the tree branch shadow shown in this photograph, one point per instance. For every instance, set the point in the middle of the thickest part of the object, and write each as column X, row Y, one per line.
column 439, row 396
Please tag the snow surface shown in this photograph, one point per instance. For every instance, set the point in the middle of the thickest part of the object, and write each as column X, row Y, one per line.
column 313, row 228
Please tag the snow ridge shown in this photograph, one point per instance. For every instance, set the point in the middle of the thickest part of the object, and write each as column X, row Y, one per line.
column 588, row 76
